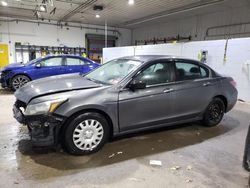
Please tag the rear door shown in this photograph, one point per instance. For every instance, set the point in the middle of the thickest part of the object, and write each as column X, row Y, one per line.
column 194, row 88
column 49, row 67
column 77, row 65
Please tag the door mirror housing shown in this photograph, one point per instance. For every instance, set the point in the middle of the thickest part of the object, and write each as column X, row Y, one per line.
column 38, row 65
column 137, row 85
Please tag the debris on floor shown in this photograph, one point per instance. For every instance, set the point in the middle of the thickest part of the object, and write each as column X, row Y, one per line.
column 189, row 167
column 240, row 100
column 175, row 168
column 198, row 133
column 189, row 181
column 137, row 179
column 155, row 163
column 112, row 155
column 118, row 153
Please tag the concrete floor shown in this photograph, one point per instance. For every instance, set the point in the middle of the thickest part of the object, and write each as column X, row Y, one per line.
column 207, row 157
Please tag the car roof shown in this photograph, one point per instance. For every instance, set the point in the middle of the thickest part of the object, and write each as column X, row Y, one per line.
column 147, row 58
column 63, row 55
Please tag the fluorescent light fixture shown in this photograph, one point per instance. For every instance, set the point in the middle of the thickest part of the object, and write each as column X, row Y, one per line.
column 97, row 16
column 42, row 8
column 131, row 2
column 4, row 3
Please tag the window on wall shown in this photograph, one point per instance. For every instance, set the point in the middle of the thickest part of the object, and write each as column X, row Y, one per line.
column 189, row 71
column 158, row 73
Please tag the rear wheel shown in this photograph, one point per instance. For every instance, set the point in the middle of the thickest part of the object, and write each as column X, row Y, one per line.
column 19, row 81
column 86, row 134
column 214, row 113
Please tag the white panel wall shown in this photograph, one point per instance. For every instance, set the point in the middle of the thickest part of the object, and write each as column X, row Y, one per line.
column 34, row 34
column 236, row 66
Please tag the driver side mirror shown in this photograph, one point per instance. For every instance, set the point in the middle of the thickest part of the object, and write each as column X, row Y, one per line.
column 137, row 85
column 38, row 65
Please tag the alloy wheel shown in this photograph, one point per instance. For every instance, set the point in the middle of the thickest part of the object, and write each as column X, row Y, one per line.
column 19, row 81
column 215, row 112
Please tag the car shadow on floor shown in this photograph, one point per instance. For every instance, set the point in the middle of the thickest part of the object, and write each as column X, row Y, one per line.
column 120, row 149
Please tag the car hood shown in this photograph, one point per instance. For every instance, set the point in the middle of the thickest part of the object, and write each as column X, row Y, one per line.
column 12, row 66
column 52, row 85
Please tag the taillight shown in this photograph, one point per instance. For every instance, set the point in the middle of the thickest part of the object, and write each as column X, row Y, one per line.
column 233, row 83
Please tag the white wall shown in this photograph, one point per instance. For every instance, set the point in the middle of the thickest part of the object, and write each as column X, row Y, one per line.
column 238, row 57
column 34, row 34
column 196, row 26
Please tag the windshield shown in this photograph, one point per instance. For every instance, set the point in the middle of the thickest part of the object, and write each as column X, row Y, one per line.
column 32, row 61
column 113, row 71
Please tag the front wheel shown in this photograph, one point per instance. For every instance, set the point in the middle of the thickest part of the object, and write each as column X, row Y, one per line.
column 19, row 81
column 214, row 113
column 86, row 134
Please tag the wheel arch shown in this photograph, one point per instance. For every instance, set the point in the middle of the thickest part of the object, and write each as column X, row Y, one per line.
column 224, row 99
column 93, row 110
column 21, row 74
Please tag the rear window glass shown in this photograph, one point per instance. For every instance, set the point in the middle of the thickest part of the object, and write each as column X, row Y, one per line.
column 189, row 71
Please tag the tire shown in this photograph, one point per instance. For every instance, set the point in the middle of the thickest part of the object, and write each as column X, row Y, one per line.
column 85, row 130
column 19, row 81
column 214, row 113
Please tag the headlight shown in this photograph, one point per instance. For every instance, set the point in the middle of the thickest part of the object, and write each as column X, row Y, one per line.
column 43, row 107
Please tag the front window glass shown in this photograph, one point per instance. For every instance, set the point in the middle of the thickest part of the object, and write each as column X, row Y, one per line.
column 51, row 62
column 158, row 73
column 113, row 71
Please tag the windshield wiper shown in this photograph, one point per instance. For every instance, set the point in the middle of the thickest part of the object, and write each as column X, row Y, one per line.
column 96, row 81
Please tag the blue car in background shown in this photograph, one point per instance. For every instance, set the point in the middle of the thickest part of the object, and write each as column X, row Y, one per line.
column 16, row 75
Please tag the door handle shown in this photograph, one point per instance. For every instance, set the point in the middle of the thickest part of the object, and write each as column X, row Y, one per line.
column 207, row 84
column 168, row 90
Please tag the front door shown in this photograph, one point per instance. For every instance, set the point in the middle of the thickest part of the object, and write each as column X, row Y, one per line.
column 152, row 105
column 49, row 67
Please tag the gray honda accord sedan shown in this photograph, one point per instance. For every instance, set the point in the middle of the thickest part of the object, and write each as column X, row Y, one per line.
column 125, row 95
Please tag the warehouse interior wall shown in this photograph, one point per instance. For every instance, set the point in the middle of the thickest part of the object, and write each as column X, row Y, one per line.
column 52, row 35
column 198, row 25
column 227, row 57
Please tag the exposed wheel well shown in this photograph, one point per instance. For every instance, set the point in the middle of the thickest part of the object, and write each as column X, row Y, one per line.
column 224, row 99
column 86, row 111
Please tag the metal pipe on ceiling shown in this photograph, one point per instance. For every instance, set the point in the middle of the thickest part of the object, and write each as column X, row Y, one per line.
column 190, row 7
column 56, row 24
column 224, row 26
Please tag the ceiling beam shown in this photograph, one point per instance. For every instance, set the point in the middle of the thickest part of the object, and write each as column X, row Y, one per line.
column 81, row 7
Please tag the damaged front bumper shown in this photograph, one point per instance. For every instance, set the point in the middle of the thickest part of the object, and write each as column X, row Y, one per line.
column 44, row 129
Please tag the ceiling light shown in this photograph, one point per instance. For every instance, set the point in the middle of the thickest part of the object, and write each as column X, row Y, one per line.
column 4, row 3
column 131, row 2
column 42, row 8
column 97, row 16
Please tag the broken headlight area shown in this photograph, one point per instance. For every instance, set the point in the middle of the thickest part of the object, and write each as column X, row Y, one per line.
column 44, row 129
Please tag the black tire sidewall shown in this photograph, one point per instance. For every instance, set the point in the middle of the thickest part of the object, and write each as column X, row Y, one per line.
column 206, row 120
column 68, row 134
column 11, row 82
